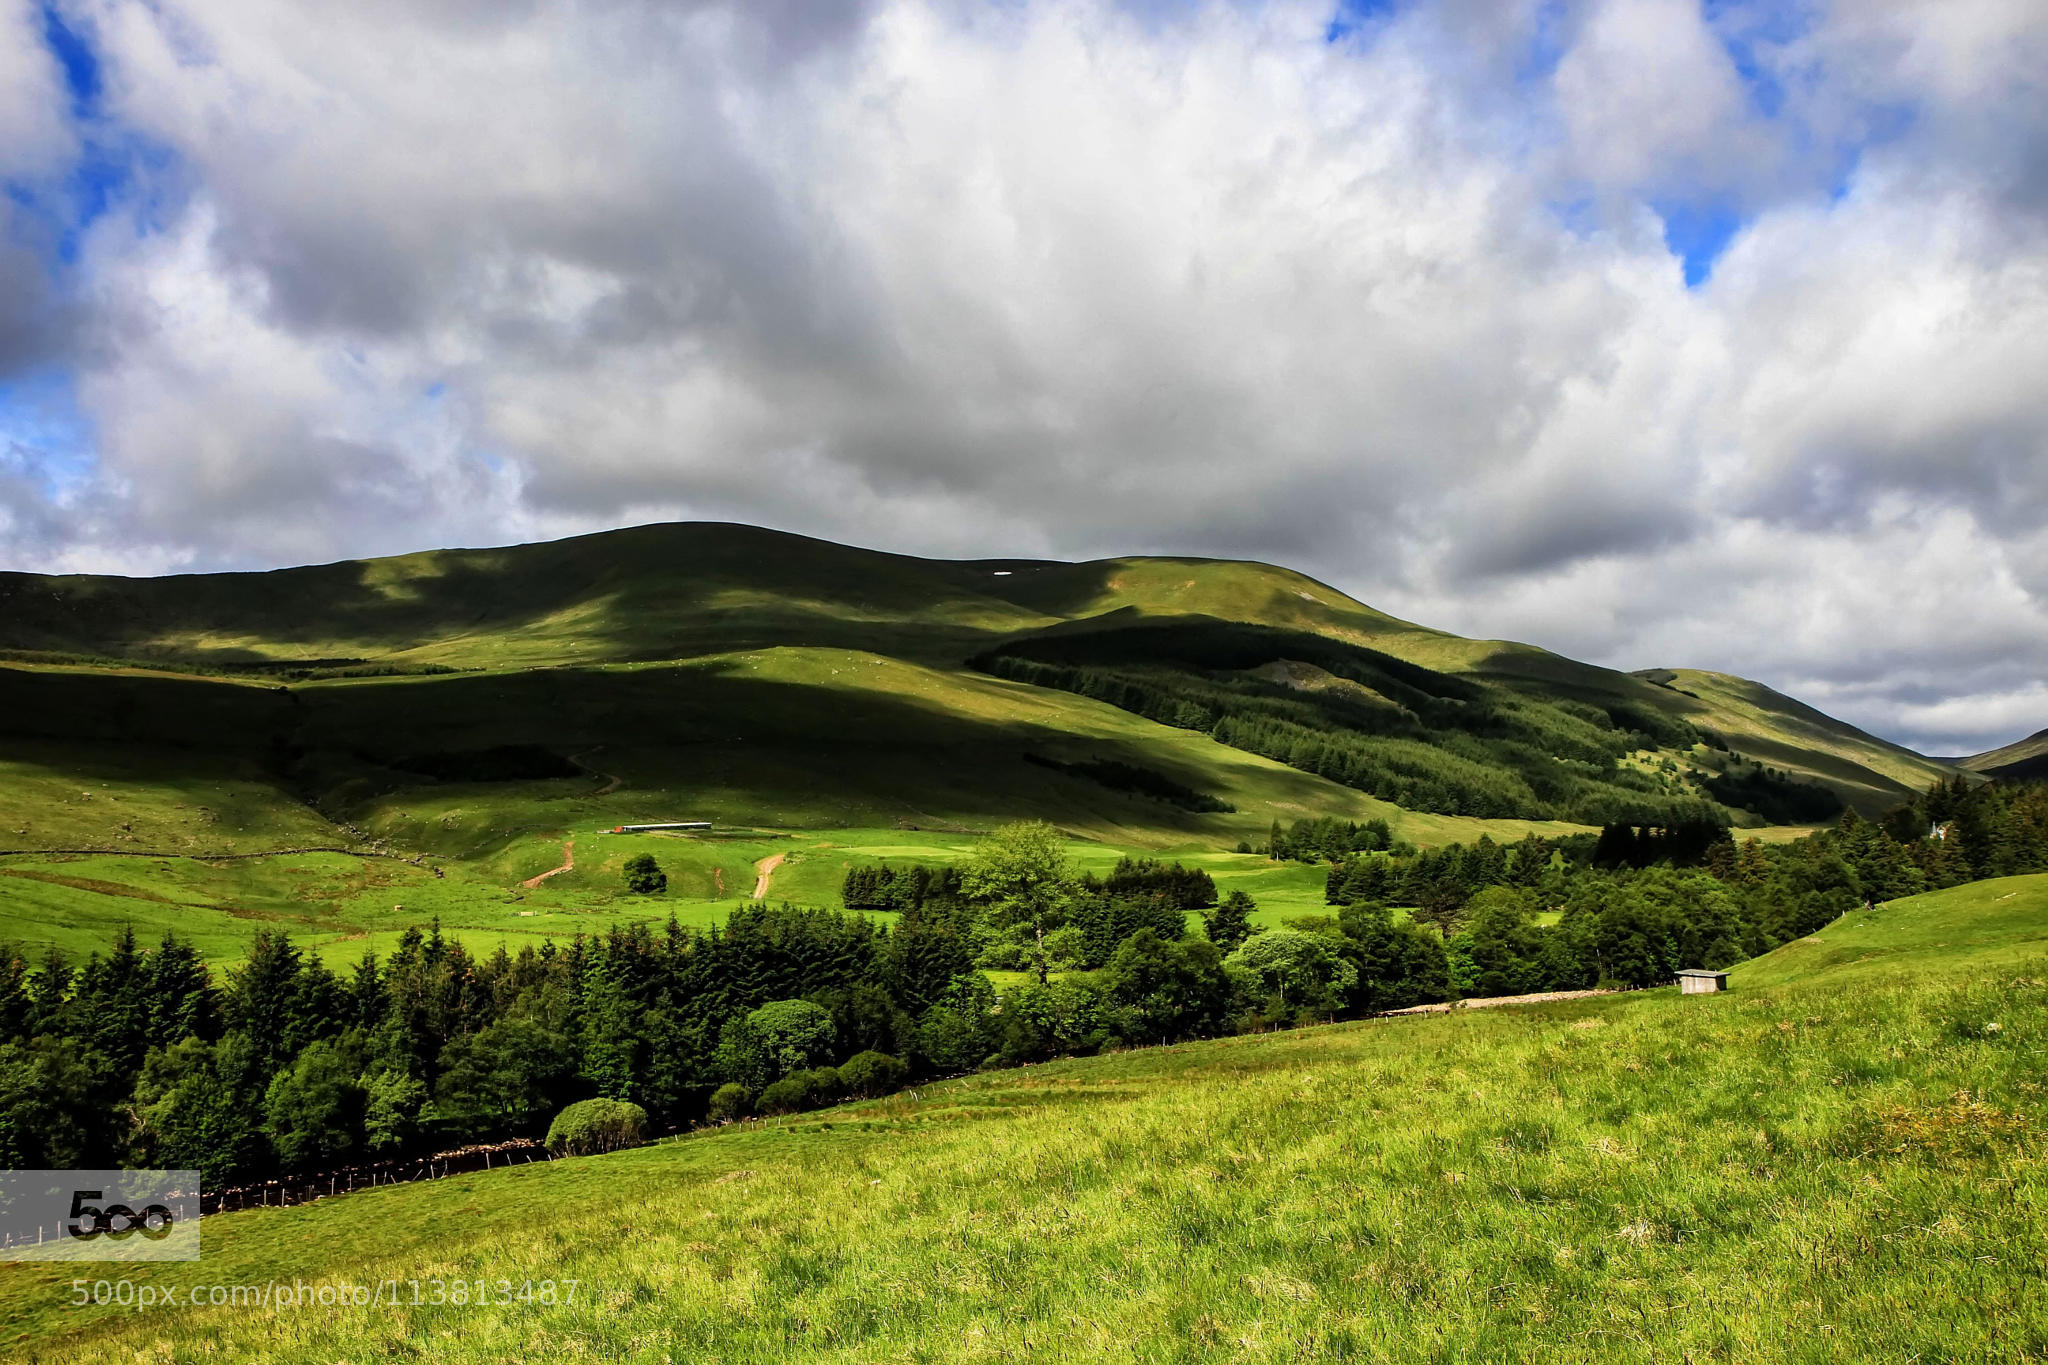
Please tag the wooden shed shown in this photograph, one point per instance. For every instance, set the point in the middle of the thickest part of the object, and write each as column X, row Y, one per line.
column 1695, row 981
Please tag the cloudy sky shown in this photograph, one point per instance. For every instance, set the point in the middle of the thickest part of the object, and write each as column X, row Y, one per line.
column 1656, row 332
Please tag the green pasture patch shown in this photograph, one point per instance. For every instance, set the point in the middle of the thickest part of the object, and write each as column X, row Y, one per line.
column 1985, row 926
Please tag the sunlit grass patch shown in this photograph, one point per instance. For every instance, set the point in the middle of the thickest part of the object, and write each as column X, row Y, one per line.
column 1831, row 1171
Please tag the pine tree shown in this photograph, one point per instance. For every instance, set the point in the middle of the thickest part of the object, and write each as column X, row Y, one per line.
column 1230, row 923
column 180, row 997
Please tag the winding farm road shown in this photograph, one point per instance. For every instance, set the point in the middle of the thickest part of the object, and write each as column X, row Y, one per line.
column 763, row 870
column 568, row 865
column 612, row 781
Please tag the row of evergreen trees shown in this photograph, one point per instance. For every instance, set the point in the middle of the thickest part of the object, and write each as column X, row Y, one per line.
column 1182, row 888
column 1324, row 840
column 141, row 1055
column 878, row 886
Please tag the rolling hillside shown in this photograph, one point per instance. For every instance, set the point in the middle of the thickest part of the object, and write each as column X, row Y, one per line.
column 1779, row 730
column 1826, row 1167
column 460, row 702
column 2026, row 759
column 1990, row 925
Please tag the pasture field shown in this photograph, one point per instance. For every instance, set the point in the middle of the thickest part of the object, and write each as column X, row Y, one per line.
column 1988, row 926
column 339, row 905
column 1843, row 1166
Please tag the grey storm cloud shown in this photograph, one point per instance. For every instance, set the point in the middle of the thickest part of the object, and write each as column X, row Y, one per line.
column 1394, row 305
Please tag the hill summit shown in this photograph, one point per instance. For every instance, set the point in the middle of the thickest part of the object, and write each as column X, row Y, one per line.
column 724, row 667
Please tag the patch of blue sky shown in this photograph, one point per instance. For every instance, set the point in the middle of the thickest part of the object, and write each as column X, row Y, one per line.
column 81, row 65
column 1549, row 39
column 1747, row 30
column 1579, row 216
column 1698, row 232
column 1352, row 15
column 44, row 436
column 115, row 167
column 1881, row 124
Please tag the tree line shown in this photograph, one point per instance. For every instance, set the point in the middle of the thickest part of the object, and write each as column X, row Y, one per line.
column 144, row 1055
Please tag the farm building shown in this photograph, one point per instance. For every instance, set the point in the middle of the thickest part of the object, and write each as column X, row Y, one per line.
column 1694, row 981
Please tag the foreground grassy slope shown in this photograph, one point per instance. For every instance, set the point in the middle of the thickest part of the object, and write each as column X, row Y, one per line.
column 1813, row 1172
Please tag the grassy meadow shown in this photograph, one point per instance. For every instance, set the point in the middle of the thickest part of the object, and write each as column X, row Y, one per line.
column 818, row 758
column 1837, row 1162
column 339, row 905
column 1988, row 926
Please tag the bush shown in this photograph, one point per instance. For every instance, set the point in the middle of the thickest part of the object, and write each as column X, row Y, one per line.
column 958, row 1032
column 598, row 1125
column 644, row 875
column 801, row 1090
column 871, row 1073
column 730, row 1101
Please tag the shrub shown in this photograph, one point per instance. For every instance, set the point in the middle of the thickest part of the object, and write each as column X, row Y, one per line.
column 644, row 875
column 315, row 1108
column 1230, row 923
column 786, row 1096
column 598, row 1125
column 871, row 1073
column 730, row 1101
column 827, row 1085
column 958, row 1032
column 801, row 1090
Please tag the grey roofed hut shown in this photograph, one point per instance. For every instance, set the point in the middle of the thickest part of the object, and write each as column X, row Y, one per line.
column 1694, row 981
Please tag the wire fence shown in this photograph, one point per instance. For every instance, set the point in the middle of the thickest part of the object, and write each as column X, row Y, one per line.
column 306, row 1189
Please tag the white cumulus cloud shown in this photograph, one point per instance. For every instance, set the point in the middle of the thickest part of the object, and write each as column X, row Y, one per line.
column 1077, row 278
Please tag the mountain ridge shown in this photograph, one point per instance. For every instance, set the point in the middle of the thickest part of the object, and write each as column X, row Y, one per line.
column 2023, row 759
column 460, row 628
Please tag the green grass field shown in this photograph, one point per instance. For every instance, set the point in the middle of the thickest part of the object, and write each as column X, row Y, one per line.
column 1829, row 1163
column 338, row 905
column 1987, row 926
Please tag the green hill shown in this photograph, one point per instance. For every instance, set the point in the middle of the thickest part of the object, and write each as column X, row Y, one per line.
column 1867, row 772
column 466, row 702
column 1984, row 926
column 1818, row 1170
column 2026, row 759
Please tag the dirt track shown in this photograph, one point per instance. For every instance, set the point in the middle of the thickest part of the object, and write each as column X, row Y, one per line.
column 763, row 870
column 568, row 865
column 1488, row 1002
column 612, row 781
